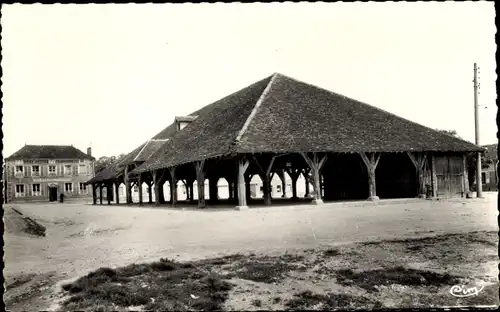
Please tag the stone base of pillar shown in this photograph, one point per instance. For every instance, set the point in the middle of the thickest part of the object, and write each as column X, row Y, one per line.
column 241, row 208
column 421, row 196
column 317, row 202
column 373, row 198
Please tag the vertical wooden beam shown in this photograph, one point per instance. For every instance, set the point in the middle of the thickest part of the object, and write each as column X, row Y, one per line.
column 265, row 176
column 156, row 184
column 213, row 189
column 434, row 176
column 418, row 161
column 230, row 188
column 242, row 197
column 128, row 193
column 200, row 179
column 294, row 175
column 465, row 177
column 94, row 194
column 305, row 174
column 173, row 187
column 117, row 190
column 100, row 194
column 109, row 191
column 281, row 175
column 248, row 180
column 191, row 191
column 371, row 162
column 315, row 165
column 139, row 185
column 150, row 190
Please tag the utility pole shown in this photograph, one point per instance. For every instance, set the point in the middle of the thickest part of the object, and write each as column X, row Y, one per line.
column 479, row 183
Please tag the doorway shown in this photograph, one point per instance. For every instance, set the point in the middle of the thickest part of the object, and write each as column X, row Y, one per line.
column 52, row 194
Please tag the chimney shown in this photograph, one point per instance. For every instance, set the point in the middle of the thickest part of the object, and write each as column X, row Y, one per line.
column 89, row 151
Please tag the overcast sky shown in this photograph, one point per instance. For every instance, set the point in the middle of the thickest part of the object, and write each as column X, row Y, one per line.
column 114, row 75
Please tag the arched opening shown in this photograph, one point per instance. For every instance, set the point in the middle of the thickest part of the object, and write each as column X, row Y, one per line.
column 223, row 187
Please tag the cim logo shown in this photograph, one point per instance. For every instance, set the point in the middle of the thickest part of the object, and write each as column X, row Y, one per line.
column 463, row 291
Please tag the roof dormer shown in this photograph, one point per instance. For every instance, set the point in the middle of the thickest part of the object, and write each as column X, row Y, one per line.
column 182, row 121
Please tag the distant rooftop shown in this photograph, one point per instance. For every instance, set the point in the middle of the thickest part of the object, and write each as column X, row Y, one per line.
column 49, row 152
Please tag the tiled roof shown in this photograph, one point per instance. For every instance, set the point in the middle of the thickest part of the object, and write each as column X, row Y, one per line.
column 49, row 152
column 281, row 114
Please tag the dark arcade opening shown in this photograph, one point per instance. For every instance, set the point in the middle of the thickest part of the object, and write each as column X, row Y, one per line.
column 396, row 177
column 345, row 178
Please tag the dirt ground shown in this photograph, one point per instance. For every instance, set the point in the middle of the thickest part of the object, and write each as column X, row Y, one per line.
column 81, row 238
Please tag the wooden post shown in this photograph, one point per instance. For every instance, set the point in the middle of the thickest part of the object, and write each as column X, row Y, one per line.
column 434, row 176
column 465, row 177
column 248, row 180
column 305, row 173
column 213, row 189
column 100, row 194
column 281, row 175
column 150, row 195
column 94, row 194
column 109, row 192
column 230, row 188
column 371, row 164
column 139, row 185
column 315, row 165
column 191, row 190
column 117, row 191
column 200, row 179
column 156, row 181
column 173, row 187
column 242, row 196
column 418, row 161
column 294, row 175
column 128, row 198
column 265, row 176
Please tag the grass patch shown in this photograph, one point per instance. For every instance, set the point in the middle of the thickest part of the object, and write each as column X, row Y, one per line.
column 307, row 299
column 268, row 269
column 162, row 285
column 398, row 275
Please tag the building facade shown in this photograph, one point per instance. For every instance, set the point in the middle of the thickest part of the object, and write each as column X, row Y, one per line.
column 489, row 175
column 43, row 173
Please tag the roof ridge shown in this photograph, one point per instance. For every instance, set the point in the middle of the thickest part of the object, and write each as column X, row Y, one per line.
column 256, row 107
column 142, row 149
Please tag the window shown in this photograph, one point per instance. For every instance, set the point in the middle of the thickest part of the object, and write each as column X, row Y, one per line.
column 136, row 189
column 35, row 170
column 278, row 188
column 82, row 169
column 83, row 188
column 67, row 169
column 68, row 187
column 19, row 190
column 19, row 170
column 52, row 170
column 36, row 190
column 483, row 177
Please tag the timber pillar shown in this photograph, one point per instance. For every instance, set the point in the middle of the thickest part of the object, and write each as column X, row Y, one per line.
column 173, row 187
column 371, row 161
column 109, row 192
column 305, row 173
column 230, row 186
column 419, row 161
column 465, row 178
column 100, row 194
column 294, row 175
column 265, row 176
column 281, row 175
column 434, row 177
column 94, row 194
column 315, row 165
column 150, row 194
column 139, row 185
column 117, row 191
column 242, row 196
column 200, row 180
column 213, row 189
column 248, row 179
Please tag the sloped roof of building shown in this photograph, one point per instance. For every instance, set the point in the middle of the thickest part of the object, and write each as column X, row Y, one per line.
column 144, row 151
column 49, row 152
column 281, row 115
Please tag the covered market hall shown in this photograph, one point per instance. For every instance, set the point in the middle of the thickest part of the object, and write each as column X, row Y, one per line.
column 282, row 127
